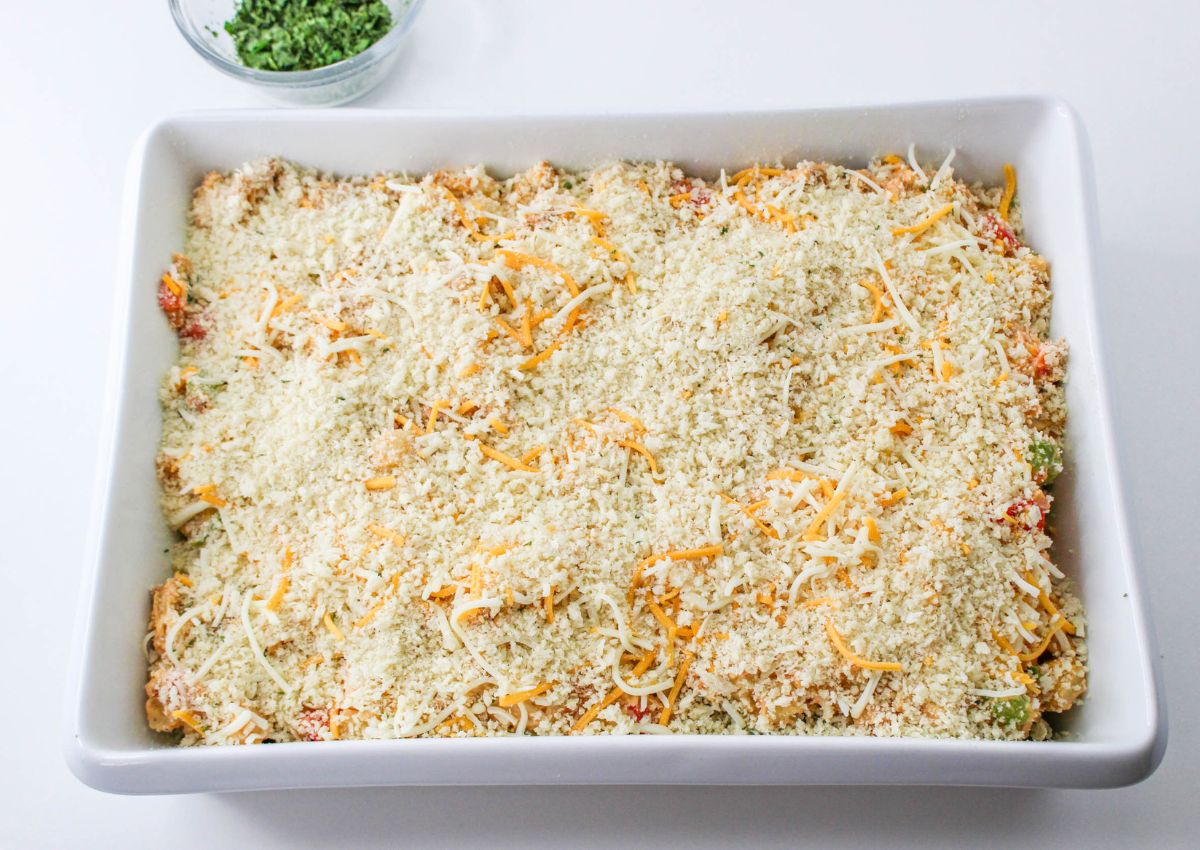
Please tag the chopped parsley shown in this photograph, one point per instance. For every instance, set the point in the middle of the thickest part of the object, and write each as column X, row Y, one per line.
column 299, row 35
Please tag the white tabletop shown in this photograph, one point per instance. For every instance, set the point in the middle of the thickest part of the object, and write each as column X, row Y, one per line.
column 81, row 80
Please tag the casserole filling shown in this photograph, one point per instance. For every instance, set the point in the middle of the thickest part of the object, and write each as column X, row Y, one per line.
column 611, row 451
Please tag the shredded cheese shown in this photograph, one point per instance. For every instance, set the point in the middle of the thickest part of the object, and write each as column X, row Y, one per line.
column 1010, row 189
column 332, row 628
column 541, row 357
column 926, row 223
column 840, row 645
column 665, row 717
column 509, row 700
column 507, row 460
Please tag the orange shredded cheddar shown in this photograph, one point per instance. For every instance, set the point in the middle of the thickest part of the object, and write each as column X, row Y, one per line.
column 527, row 325
column 517, row 336
column 755, row 171
column 1036, row 652
column 1026, row 680
column 1003, row 643
column 333, row 324
column 749, row 510
column 788, row 475
column 186, row 716
column 921, row 226
column 386, row 533
column 628, row 418
column 872, row 530
column 1051, row 608
column 213, row 499
column 787, row 219
column 498, row 426
column 1010, row 189
column 541, row 357
column 516, row 260
column 433, row 412
column 694, row 554
column 877, row 298
column 595, row 218
column 507, row 460
column 184, row 374
column 739, row 195
column 508, row 290
column 615, row 694
column 549, row 605
column 813, row 532
column 666, row 622
column 763, row 526
column 856, row 660
column 642, row 450
column 893, row 498
column 175, row 286
column 509, row 700
column 331, row 626
column 281, row 588
column 380, row 483
column 453, row 723
column 370, row 615
column 665, row 717
column 532, row 455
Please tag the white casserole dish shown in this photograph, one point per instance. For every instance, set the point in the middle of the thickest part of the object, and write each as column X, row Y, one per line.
column 1117, row 737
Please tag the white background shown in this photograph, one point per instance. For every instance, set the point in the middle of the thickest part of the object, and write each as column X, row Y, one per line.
column 80, row 80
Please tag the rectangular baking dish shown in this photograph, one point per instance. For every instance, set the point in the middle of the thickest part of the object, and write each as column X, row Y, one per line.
column 1117, row 737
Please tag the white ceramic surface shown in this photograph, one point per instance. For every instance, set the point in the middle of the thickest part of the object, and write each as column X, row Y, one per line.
column 1117, row 736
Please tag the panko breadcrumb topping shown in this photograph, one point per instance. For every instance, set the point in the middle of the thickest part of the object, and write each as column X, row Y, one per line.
column 610, row 451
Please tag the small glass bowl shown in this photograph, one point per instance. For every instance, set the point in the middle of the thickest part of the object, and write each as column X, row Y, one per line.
column 202, row 23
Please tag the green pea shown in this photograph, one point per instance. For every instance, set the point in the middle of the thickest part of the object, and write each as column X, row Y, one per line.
column 1046, row 457
column 1011, row 711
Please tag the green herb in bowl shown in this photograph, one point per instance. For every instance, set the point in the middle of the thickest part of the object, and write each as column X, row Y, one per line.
column 299, row 35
